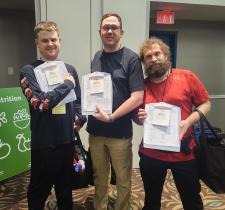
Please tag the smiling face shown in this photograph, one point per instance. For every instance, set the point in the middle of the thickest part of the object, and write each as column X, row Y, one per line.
column 111, row 33
column 48, row 43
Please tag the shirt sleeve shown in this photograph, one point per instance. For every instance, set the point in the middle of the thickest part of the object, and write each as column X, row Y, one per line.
column 199, row 93
column 136, row 78
column 79, row 118
column 37, row 99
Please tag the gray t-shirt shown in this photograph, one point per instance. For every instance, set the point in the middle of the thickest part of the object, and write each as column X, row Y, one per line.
column 127, row 76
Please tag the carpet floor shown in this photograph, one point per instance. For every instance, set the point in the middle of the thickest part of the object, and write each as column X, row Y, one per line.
column 13, row 195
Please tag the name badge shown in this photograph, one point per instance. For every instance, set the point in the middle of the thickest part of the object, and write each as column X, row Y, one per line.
column 59, row 109
column 161, row 116
column 53, row 76
column 96, row 85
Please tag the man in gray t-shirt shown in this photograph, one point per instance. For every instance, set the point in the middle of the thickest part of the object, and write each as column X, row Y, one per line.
column 110, row 135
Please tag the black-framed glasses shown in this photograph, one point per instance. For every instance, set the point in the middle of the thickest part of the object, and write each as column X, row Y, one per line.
column 113, row 28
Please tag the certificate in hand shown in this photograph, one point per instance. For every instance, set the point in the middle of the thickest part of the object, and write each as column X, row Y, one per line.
column 51, row 74
column 96, row 90
column 162, row 127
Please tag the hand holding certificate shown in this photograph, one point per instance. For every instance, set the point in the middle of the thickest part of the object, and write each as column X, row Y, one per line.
column 162, row 126
column 51, row 74
column 96, row 91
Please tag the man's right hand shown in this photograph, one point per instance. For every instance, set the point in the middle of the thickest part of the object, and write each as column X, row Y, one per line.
column 70, row 77
column 142, row 114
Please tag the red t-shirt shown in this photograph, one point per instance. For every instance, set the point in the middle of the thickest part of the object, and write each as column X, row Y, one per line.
column 183, row 89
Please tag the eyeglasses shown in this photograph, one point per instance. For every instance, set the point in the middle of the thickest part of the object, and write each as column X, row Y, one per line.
column 113, row 28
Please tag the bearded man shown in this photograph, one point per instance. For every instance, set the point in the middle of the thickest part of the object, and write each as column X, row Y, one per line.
column 183, row 89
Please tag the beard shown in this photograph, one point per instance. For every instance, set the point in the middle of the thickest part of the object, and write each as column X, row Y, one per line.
column 157, row 70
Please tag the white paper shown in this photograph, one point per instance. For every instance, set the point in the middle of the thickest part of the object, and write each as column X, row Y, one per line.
column 162, row 137
column 53, row 76
column 49, row 81
column 96, row 90
column 161, row 116
column 97, row 85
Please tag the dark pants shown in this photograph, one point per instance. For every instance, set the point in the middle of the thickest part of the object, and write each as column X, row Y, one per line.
column 51, row 167
column 186, row 178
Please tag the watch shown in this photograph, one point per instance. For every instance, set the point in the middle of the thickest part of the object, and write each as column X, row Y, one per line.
column 110, row 118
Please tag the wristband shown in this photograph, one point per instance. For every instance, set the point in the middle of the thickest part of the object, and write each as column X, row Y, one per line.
column 110, row 118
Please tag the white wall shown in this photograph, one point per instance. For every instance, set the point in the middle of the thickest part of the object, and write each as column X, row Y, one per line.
column 79, row 23
column 73, row 20
column 135, row 25
column 203, row 2
column 134, row 19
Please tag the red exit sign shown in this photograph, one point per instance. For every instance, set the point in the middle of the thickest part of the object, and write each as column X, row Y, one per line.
column 165, row 17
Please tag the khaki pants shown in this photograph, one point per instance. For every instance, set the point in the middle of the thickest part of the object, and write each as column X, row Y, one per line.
column 120, row 152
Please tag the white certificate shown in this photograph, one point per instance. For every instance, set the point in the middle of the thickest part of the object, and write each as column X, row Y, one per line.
column 96, row 91
column 97, row 85
column 51, row 74
column 161, row 116
column 162, row 133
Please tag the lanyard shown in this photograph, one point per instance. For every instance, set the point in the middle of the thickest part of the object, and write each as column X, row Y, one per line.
column 164, row 89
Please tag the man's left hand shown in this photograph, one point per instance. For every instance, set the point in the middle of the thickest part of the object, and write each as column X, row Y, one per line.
column 184, row 125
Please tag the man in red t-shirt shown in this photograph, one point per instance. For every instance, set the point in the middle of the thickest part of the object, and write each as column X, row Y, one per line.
column 183, row 89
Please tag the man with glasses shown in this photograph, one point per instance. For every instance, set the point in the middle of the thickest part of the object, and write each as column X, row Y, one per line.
column 110, row 135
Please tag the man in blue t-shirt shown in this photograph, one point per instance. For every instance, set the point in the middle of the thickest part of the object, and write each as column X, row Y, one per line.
column 110, row 135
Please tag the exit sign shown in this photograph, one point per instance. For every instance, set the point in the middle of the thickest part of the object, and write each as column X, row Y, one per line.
column 165, row 17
